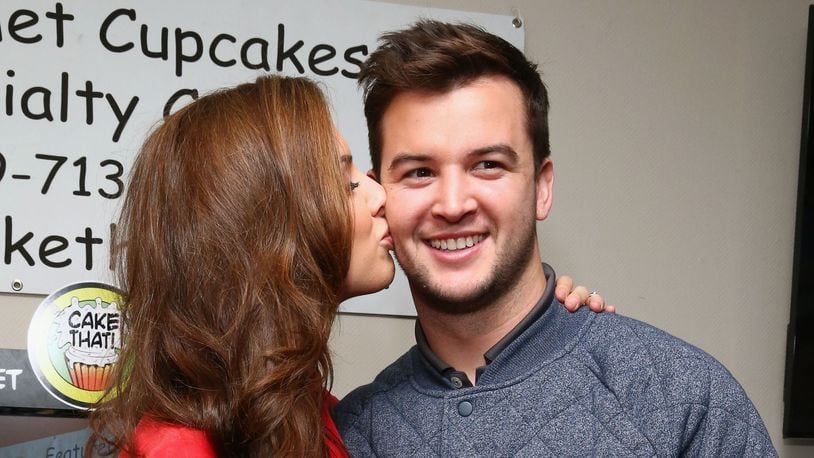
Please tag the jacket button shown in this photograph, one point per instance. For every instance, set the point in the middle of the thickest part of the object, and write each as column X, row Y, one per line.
column 456, row 382
column 465, row 408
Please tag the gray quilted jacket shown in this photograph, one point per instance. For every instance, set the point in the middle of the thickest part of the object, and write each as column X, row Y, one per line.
column 580, row 384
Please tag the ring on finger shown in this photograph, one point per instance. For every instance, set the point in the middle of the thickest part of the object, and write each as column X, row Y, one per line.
column 594, row 293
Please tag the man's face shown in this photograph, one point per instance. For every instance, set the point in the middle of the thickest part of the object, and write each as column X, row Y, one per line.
column 462, row 193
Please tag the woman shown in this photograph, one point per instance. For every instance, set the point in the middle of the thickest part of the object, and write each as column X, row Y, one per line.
column 239, row 237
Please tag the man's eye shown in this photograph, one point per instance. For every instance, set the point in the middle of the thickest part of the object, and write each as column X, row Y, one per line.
column 422, row 172
column 487, row 165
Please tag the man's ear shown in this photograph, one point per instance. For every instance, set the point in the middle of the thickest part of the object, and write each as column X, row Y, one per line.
column 372, row 175
column 545, row 189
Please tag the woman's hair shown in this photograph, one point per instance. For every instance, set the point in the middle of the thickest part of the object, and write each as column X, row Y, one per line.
column 233, row 244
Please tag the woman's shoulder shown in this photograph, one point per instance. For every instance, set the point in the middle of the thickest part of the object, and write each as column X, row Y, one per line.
column 333, row 441
column 155, row 439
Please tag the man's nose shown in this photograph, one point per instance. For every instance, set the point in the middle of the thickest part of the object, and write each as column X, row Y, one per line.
column 454, row 199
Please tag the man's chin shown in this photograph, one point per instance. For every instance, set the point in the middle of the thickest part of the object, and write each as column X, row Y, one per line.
column 455, row 300
column 459, row 294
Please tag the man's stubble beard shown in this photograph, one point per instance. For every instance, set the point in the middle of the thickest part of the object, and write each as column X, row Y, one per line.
column 505, row 273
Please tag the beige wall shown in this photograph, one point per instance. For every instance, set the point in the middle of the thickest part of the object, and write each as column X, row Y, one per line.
column 675, row 137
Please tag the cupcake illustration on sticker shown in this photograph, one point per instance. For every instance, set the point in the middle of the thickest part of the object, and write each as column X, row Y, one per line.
column 74, row 340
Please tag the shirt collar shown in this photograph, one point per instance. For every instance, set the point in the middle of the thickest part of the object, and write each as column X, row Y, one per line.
column 449, row 372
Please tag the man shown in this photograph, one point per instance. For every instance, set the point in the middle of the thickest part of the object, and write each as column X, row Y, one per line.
column 459, row 139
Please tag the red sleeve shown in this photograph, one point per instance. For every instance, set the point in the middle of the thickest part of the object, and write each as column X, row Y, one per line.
column 163, row 440
column 333, row 441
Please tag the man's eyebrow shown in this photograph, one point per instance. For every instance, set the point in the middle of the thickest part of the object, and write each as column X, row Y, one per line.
column 501, row 148
column 401, row 158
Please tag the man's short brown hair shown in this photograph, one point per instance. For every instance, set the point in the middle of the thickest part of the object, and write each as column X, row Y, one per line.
column 436, row 57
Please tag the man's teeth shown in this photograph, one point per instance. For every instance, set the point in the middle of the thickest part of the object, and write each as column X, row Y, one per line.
column 456, row 244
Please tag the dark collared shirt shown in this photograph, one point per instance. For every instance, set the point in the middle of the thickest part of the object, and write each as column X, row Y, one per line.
column 459, row 379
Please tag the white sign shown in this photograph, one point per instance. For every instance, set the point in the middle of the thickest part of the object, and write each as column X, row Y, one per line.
column 82, row 82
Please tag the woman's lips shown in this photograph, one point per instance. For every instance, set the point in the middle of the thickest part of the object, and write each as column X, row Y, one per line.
column 387, row 240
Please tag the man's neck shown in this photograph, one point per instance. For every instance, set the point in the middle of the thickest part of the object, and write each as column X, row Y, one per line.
column 461, row 340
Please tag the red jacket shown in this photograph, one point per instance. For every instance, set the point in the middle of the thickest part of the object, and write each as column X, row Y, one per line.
column 165, row 440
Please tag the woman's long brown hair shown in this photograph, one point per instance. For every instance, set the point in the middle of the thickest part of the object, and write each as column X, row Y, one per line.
column 234, row 241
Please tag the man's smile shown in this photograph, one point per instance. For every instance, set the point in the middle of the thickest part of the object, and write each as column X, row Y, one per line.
column 456, row 243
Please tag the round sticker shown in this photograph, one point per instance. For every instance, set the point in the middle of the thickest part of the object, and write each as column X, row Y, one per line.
column 74, row 340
